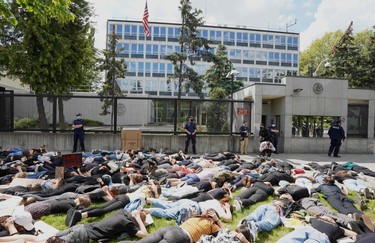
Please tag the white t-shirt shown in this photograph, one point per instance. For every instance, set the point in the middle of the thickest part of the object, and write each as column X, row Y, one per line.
column 214, row 204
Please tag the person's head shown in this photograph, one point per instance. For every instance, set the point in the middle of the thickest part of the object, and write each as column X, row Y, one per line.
column 78, row 116
column 338, row 122
column 245, row 123
column 136, row 178
column 24, row 219
column 55, row 239
column 261, row 125
column 114, row 191
column 329, row 180
column 191, row 118
column 29, row 200
column 84, row 201
column 245, row 230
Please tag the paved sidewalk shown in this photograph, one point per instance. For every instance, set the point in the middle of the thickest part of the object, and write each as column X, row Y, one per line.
column 366, row 160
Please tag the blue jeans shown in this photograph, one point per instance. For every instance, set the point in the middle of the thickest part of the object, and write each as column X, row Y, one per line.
column 190, row 179
column 304, row 234
column 163, row 209
column 354, row 185
column 265, row 217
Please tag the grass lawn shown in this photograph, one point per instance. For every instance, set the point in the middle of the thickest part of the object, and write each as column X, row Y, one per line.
column 58, row 220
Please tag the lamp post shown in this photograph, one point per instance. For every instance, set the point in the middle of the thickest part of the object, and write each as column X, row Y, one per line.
column 326, row 65
column 232, row 73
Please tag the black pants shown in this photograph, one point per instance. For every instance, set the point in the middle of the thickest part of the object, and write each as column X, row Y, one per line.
column 81, row 137
column 169, row 234
column 335, row 147
column 187, row 142
column 342, row 204
column 107, row 207
column 364, row 170
column 252, row 195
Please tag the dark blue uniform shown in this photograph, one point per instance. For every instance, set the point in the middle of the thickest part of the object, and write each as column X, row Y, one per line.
column 190, row 129
column 79, row 134
column 274, row 136
column 336, row 134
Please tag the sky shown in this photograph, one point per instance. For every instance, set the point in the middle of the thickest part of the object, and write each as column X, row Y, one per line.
column 311, row 18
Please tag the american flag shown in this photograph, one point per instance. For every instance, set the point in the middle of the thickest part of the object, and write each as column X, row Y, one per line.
column 145, row 21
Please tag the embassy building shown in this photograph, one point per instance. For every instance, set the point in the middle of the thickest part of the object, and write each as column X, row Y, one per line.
column 260, row 56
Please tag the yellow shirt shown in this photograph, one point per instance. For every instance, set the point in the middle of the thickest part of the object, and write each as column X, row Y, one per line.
column 196, row 227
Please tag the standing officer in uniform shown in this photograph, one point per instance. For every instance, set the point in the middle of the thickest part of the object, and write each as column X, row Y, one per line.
column 79, row 132
column 244, row 141
column 274, row 135
column 191, row 130
column 336, row 134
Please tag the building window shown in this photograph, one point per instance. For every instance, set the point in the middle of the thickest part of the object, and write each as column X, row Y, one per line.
column 255, row 40
column 357, row 121
column 311, row 126
column 292, row 43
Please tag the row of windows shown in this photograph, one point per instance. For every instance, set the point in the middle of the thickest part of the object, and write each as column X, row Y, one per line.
column 251, row 56
column 157, row 86
column 148, row 69
column 225, row 37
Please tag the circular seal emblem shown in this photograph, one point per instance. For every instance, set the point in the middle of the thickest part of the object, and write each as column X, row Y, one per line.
column 121, row 109
column 318, row 88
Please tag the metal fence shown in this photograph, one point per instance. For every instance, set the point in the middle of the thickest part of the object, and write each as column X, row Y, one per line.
column 150, row 114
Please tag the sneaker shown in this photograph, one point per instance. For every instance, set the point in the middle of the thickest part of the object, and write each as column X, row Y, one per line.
column 360, row 202
column 238, row 206
column 367, row 193
column 253, row 230
column 356, row 216
column 169, row 184
column 368, row 222
column 362, row 176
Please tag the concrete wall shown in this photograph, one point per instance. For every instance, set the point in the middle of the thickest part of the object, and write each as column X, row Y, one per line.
column 205, row 143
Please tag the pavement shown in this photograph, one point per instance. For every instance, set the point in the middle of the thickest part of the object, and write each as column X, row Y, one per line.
column 366, row 160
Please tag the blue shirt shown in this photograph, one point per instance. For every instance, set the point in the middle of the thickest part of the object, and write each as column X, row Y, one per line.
column 78, row 122
column 190, row 127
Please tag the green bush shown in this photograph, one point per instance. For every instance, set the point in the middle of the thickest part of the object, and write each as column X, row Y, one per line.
column 26, row 122
column 89, row 122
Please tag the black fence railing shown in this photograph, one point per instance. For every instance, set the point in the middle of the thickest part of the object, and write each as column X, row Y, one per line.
column 150, row 114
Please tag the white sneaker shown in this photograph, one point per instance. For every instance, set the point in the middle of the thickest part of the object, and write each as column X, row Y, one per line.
column 237, row 206
column 253, row 230
column 362, row 176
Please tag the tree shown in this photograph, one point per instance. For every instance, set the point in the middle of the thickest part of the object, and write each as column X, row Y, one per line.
column 319, row 50
column 351, row 57
column 49, row 57
column 215, row 76
column 43, row 10
column 114, row 69
column 192, row 47
column 220, row 88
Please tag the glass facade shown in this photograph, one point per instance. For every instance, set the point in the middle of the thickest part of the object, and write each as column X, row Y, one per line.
column 258, row 55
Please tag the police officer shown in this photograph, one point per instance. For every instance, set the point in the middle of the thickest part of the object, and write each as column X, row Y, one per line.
column 191, row 130
column 79, row 132
column 336, row 134
column 244, row 141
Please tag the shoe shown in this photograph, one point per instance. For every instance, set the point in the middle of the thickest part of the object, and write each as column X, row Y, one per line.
column 367, row 193
column 367, row 220
column 329, row 155
column 360, row 202
column 362, row 176
column 253, row 230
column 169, row 184
column 237, row 206
column 356, row 216
column 245, row 180
column 77, row 216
